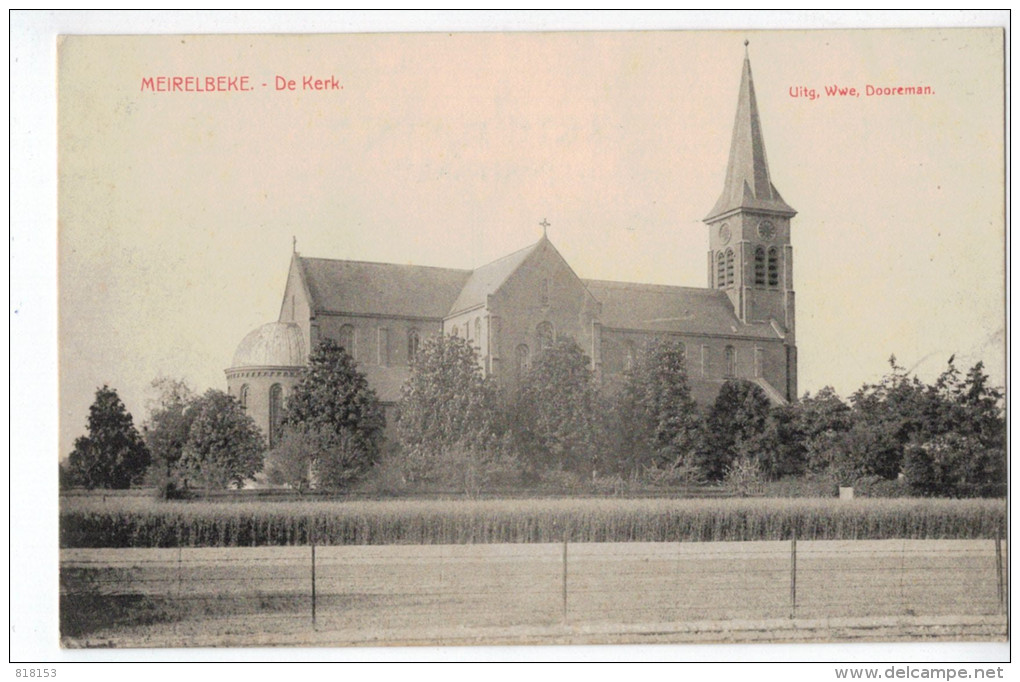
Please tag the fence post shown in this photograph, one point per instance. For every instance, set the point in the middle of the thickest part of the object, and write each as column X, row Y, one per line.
column 312, row 534
column 566, row 535
column 793, row 574
column 998, row 568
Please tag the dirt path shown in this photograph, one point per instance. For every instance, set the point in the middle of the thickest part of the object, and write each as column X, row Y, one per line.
column 486, row 594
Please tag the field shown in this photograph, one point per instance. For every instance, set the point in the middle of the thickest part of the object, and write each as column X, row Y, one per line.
column 535, row 593
column 118, row 521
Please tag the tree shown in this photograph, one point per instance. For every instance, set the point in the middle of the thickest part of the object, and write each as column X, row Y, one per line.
column 947, row 438
column 224, row 445
column 784, row 430
column 657, row 420
column 447, row 409
column 821, row 421
column 337, row 416
column 290, row 462
column 166, row 432
column 112, row 455
column 959, row 448
column 738, row 428
column 886, row 416
column 555, row 414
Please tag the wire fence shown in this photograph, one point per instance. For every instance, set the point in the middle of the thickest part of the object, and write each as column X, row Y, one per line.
column 364, row 588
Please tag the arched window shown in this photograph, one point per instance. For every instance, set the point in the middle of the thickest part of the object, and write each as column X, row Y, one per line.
column 629, row 356
column 347, row 339
column 731, row 361
column 455, row 331
column 242, row 396
column 523, row 356
column 275, row 413
column 413, row 341
column 729, row 267
column 478, row 331
column 759, row 267
column 720, row 271
column 773, row 267
column 544, row 331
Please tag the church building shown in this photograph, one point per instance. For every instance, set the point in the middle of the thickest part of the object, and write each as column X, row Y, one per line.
column 742, row 325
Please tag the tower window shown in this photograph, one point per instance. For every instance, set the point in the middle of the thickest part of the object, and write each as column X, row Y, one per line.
column 759, row 267
column 720, row 271
column 242, row 396
column 773, row 267
column 413, row 341
column 729, row 268
column 731, row 362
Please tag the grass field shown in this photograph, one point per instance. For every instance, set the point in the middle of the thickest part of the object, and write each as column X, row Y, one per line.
column 91, row 521
column 499, row 592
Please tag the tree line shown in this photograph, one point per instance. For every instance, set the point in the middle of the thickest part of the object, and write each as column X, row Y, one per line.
column 458, row 430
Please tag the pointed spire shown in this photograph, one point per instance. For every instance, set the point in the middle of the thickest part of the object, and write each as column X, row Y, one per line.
column 748, row 184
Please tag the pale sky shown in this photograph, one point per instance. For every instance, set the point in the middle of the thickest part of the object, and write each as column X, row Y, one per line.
column 176, row 210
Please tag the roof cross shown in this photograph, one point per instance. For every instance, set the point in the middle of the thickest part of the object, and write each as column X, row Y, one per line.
column 545, row 226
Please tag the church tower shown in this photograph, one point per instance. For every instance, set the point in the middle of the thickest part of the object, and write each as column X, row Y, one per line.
column 750, row 256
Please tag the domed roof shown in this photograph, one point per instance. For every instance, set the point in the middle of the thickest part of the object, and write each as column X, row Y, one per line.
column 277, row 344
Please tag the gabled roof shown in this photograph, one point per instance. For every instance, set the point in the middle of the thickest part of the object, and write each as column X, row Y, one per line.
column 660, row 308
column 391, row 289
column 488, row 278
column 748, row 183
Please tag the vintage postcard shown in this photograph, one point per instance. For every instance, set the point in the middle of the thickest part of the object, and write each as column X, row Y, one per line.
column 533, row 338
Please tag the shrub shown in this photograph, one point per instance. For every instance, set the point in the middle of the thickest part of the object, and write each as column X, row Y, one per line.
column 744, row 477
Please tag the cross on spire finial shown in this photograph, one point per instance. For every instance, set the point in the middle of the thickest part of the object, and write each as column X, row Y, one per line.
column 545, row 226
column 746, row 43
column 294, row 238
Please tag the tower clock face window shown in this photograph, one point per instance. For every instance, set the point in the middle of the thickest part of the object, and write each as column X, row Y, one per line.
column 724, row 233
column 766, row 230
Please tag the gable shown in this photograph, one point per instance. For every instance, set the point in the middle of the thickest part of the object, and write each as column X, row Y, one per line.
column 545, row 273
column 487, row 279
column 296, row 304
